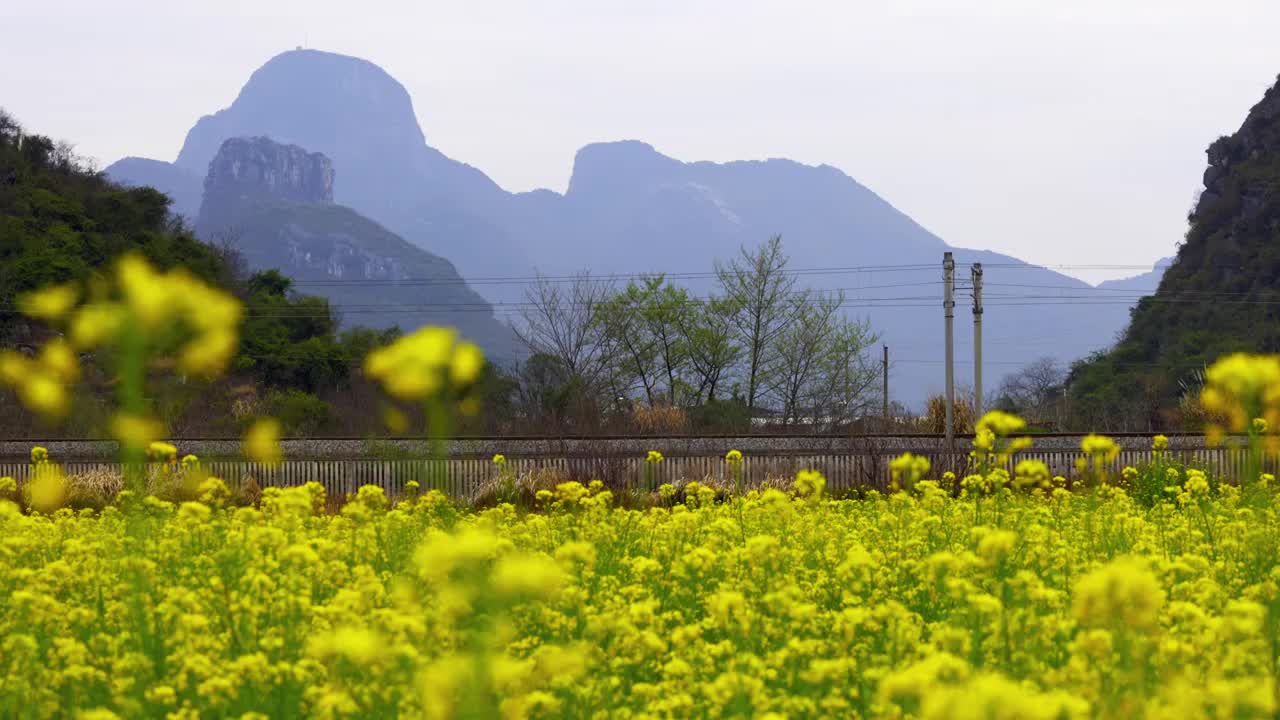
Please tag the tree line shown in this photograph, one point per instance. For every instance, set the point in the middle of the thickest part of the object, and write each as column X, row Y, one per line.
column 759, row 347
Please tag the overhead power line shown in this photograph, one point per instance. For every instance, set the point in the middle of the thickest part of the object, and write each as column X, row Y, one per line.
column 602, row 277
column 537, row 278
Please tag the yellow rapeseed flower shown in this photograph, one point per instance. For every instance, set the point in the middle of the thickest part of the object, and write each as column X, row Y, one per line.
column 44, row 394
column 1123, row 593
column 996, row 545
column 1241, row 387
column 571, row 491
column 162, row 452
column 48, row 489
column 51, row 303
column 1001, row 423
column 149, row 296
column 395, row 420
column 810, row 484
column 208, row 354
column 468, row 360
column 96, row 324
column 1031, row 473
column 40, row 386
column 416, row 365
column 262, row 442
column 208, row 310
column 907, row 469
column 531, row 574
column 1100, row 447
column 14, row 367
column 136, row 431
column 358, row 645
column 59, row 359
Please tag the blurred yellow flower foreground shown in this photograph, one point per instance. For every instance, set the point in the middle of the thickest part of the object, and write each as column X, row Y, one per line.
column 997, row 604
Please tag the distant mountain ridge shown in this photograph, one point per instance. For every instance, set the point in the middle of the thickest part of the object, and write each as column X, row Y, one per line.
column 363, row 120
column 648, row 202
column 275, row 204
column 629, row 208
column 1144, row 283
column 183, row 187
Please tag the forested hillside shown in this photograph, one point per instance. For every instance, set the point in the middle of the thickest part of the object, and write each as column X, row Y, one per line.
column 61, row 221
column 1220, row 295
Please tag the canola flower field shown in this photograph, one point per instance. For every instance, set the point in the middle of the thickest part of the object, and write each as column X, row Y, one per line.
column 1150, row 592
column 995, row 604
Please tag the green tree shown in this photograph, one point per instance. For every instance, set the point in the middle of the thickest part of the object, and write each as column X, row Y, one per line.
column 548, row 390
column 757, row 287
column 634, row 349
column 290, row 341
column 663, row 313
column 848, row 380
column 797, row 355
column 644, row 326
column 711, row 345
column 300, row 413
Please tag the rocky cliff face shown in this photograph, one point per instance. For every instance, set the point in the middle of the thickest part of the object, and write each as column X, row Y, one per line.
column 261, row 167
column 1220, row 293
column 1239, row 164
column 274, row 202
column 363, row 119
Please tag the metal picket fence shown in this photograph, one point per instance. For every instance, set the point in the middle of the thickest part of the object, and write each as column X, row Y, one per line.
column 463, row 477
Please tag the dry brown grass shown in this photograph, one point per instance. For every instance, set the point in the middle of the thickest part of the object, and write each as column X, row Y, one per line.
column 936, row 414
column 521, row 490
column 659, row 419
column 99, row 487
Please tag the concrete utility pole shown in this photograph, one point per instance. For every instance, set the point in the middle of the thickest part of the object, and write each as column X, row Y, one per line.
column 977, row 339
column 948, row 307
column 885, row 367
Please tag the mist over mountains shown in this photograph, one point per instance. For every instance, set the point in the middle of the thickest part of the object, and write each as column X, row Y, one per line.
column 275, row 203
column 630, row 209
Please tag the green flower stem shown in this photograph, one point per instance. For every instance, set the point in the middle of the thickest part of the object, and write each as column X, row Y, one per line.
column 130, row 394
column 437, row 413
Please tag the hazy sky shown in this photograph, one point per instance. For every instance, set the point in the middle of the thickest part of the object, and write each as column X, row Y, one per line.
column 1065, row 132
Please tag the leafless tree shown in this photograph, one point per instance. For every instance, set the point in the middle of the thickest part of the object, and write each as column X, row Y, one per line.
column 819, row 364
column 562, row 320
column 226, row 244
column 1034, row 390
